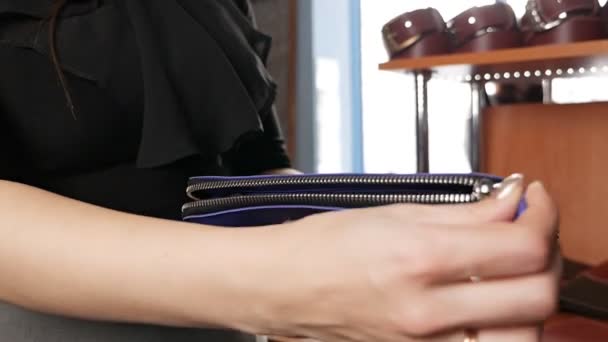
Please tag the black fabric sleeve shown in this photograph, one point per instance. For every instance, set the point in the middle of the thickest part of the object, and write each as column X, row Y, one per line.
column 257, row 152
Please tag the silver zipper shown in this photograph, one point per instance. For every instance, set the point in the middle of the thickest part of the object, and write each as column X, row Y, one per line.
column 252, row 183
column 479, row 187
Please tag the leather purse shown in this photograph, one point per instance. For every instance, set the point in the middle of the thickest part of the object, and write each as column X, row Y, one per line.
column 269, row 200
column 485, row 28
column 416, row 34
column 564, row 21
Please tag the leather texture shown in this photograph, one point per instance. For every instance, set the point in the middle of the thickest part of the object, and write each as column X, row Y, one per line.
column 423, row 32
column 257, row 216
column 432, row 44
column 551, row 10
column 564, row 21
column 485, row 28
column 574, row 30
column 418, row 33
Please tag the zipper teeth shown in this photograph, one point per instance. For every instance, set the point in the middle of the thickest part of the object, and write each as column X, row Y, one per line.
column 337, row 200
column 323, row 180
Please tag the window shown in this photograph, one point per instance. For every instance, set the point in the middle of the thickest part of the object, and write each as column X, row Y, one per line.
column 365, row 118
column 336, row 70
column 389, row 138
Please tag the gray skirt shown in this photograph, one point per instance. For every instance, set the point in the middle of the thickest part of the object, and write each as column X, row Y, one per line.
column 19, row 325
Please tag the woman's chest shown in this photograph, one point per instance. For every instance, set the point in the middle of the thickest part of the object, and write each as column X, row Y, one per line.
column 103, row 79
column 33, row 108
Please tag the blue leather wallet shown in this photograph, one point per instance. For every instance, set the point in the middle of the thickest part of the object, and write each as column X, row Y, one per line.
column 268, row 200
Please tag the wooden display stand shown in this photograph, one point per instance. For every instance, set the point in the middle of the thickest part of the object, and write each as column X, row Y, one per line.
column 565, row 146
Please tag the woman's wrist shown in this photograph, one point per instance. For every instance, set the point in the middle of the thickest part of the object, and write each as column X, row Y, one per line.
column 234, row 287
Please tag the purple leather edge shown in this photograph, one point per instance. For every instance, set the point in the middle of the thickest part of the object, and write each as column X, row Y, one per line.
column 258, row 216
column 271, row 215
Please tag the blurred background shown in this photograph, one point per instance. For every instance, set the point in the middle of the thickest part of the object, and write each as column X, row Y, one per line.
column 342, row 114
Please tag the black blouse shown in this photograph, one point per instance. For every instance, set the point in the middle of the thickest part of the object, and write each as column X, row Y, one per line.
column 163, row 90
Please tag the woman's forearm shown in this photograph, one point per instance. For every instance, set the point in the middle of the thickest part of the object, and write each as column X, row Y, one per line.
column 359, row 275
column 66, row 257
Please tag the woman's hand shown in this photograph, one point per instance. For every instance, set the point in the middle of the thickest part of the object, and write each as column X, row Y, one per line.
column 398, row 273
column 403, row 273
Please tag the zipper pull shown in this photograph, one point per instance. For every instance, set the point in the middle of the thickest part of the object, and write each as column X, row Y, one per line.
column 483, row 188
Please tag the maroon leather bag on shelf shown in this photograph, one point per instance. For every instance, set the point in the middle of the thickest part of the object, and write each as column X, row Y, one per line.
column 416, row 34
column 564, row 21
column 485, row 28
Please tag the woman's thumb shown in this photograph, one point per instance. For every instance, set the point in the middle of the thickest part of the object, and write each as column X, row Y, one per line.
column 505, row 200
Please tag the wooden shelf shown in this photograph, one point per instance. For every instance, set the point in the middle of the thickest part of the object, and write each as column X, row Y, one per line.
column 559, row 60
column 554, row 143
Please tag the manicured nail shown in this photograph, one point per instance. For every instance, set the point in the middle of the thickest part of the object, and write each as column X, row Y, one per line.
column 537, row 184
column 508, row 186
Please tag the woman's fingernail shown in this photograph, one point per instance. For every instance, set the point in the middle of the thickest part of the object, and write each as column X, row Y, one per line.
column 538, row 184
column 508, row 186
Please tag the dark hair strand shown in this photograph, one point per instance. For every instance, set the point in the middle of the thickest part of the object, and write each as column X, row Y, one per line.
column 55, row 12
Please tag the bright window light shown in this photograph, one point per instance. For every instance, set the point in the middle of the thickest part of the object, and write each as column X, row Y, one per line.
column 389, row 105
column 388, row 98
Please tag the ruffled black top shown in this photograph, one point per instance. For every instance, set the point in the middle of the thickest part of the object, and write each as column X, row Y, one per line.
column 163, row 90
